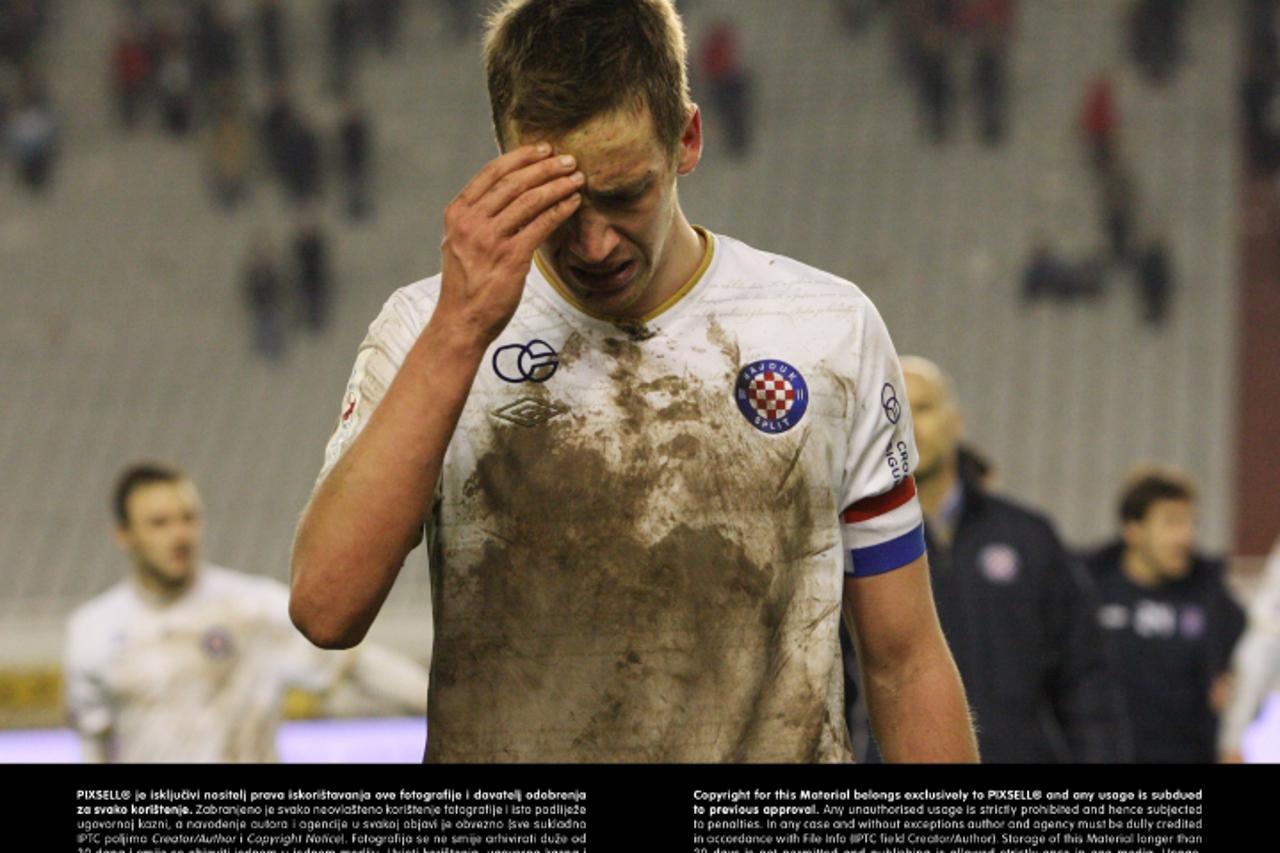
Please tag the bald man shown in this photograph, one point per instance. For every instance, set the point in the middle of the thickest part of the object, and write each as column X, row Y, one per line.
column 1016, row 609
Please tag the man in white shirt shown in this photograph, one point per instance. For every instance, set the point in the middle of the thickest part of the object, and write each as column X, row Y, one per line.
column 652, row 463
column 1256, row 663
column 187, row 661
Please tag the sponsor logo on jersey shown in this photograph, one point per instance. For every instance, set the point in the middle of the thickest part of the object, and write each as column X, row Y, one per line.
column 899, row 461
column 1154, row 619
column 999, row 563
column 1113, row 617
column 1191, row 622
column 216, row 642
column 772, row 395
column 536, row 361
column 529, row 411
column 890, row 402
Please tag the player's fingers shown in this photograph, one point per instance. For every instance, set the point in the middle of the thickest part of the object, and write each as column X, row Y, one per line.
column 498, row 167
column 533, row 234
column 534, row 201
column 515, row 184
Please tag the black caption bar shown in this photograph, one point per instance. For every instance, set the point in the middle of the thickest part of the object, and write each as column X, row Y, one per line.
column 585, row 809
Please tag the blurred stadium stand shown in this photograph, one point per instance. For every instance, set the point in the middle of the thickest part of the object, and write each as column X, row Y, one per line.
column 123, row 334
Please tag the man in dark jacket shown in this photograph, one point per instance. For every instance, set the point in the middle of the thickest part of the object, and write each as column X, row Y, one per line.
column 1017, row 610
column 1172, row 620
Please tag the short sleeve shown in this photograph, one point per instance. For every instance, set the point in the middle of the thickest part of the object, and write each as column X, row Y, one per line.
column 881, row 523
column 390, row 337
column 88, row 702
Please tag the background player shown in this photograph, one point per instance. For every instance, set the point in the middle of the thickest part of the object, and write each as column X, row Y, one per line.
column 186, row 661
column 636, row 551
column 1170, row 618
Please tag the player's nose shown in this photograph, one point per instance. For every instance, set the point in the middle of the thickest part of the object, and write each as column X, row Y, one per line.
column 591, row 237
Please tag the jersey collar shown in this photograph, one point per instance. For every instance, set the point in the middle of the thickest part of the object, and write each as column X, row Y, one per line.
column 549, row 285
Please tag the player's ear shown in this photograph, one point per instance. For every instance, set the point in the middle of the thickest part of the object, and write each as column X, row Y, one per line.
column 690, row 150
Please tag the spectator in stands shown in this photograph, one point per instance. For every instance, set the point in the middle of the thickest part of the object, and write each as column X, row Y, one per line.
column 299, row 158
column 132, row 70
column 1099, row 122
column 1262, row 135
column 21, row 25
column 174, row 79
column 32, row 134
column 1156, row 37
column 931, row 54
column 216, row 45
column 729, row 84
column 276, row 124
column 1154, row 279
column 355, row 143
column 1046, row 274
column 311, row 251
column 1262, row 70
column 991, row 24
column 1018, row 611
column 385, row 18
column 1118, row 209
column 991, row 85
column 1170, row 617
column 229, row 153
column 262, row 294
column 271, row 40
column 344, row 37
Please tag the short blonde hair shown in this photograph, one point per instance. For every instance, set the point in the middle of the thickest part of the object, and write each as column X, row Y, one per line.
column 553, row 65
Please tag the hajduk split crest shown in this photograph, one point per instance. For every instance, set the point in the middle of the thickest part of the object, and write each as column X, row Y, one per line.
column 772, row 395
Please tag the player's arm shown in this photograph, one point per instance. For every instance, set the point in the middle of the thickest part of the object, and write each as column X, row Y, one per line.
column 914, row 694
column 364, row 516
column 390, row 678
column 88, row 704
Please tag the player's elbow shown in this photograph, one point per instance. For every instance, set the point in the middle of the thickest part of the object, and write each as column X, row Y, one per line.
column 324, row 629
column 317, row 610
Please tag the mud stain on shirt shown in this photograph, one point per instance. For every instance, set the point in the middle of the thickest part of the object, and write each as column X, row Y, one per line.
column 650, row 592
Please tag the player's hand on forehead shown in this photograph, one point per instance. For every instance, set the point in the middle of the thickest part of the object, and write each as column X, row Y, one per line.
column 505, row 178
column 493, row 227
column 525, row 192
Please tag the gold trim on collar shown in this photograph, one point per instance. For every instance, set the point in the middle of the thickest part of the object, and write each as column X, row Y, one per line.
column 707, row 254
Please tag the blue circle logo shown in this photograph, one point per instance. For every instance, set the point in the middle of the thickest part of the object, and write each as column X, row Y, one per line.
column 772, row 395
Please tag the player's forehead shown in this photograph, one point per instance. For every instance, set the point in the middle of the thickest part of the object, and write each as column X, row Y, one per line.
column 923, row 389
column 161, row 498
column 614, row 150
column 1171, row 511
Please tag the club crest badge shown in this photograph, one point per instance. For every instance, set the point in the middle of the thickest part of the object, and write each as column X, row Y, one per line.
column 999, row 563
column 772, row 395
column 217, row 643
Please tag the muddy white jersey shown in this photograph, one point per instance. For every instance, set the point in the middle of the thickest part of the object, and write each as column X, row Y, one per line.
column 199, row 679
column 643, row 528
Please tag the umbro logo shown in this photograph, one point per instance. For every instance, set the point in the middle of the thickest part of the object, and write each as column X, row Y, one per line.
column 529, row 411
